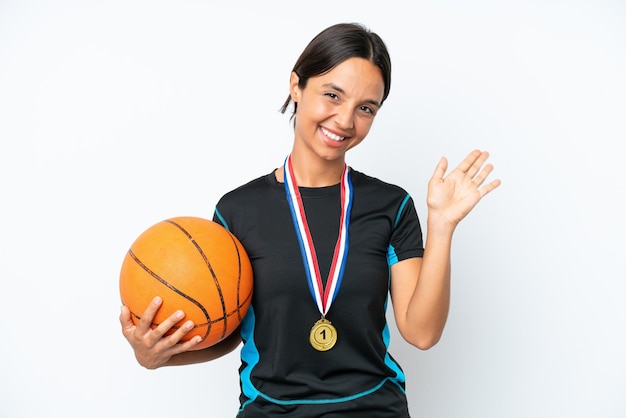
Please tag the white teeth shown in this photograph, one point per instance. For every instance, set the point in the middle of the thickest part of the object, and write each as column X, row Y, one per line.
column 332, row 135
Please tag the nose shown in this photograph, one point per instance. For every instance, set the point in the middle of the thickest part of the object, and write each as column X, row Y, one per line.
column 344, row 118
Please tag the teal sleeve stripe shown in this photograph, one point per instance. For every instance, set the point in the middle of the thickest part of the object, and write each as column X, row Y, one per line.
column 221, row 218
column 402, row 205
column 392, row 257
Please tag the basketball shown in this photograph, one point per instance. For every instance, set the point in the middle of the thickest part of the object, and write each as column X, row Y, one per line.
column 194, row 265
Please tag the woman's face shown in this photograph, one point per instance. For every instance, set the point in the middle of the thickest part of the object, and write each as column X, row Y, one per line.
column 336, row 110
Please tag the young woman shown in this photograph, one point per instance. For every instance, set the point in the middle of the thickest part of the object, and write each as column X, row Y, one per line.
column 328, row 244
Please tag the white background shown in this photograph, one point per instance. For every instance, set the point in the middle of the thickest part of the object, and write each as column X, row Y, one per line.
column 115, row 115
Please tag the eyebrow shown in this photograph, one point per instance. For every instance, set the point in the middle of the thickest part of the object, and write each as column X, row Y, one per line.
column 340, row 90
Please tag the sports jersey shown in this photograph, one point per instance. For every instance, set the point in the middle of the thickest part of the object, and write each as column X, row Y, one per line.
column 281, row 374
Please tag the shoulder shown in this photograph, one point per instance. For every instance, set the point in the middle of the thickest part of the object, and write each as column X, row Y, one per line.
column 365, row 183
column 248, row 199
column 372, row 195
column 249, row 191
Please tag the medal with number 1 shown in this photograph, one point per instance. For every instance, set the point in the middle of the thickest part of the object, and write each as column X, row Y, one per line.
column 323, row 335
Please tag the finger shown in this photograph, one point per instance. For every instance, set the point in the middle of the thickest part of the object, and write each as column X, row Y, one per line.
column 469, row 162
column 489, row 187
column 145, row 322
column 166, row 325
column 477, row 164
column 188, row 345
column 441, row 168
column 176, row 337
column 125, row 320
column 480, row 178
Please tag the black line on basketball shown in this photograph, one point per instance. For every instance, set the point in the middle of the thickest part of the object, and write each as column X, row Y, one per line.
column 174, row 289
column 212, row 321
column 208, row 263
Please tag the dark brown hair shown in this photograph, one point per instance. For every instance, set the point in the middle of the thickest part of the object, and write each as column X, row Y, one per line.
column 336, row 44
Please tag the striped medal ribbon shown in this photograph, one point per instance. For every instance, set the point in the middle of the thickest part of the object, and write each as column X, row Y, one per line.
column 323, row 335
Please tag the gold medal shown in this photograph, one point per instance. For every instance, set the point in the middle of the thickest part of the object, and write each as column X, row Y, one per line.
column 323, row 335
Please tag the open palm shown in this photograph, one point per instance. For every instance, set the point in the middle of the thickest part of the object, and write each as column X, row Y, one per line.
column 452, row 197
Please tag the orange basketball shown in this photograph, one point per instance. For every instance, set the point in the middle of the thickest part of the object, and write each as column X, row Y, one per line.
column 194, row 265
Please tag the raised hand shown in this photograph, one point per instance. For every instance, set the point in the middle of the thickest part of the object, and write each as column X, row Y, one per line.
column 450, row 198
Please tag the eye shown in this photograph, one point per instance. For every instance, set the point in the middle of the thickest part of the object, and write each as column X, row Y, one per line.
column 368, row 110
column 332, row 95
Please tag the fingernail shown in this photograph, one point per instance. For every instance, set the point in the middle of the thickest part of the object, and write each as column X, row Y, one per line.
column 157, row 300
column 179, row 314
column 189, row 324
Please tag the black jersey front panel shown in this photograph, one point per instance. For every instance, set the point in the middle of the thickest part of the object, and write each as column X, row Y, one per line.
column 278, row 362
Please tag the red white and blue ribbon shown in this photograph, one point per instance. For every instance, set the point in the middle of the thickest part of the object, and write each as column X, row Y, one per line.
column 323, row 296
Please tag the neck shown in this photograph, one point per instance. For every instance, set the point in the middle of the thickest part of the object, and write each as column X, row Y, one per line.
column 311, row 172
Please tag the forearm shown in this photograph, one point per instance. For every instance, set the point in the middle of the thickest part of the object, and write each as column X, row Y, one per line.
column 450, row 198
column 211, row 353
column 428, row 308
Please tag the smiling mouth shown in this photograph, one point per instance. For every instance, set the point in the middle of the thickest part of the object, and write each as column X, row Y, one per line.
column 331, row 135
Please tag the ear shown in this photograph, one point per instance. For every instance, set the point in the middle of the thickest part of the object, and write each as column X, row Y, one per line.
column 294, row 89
